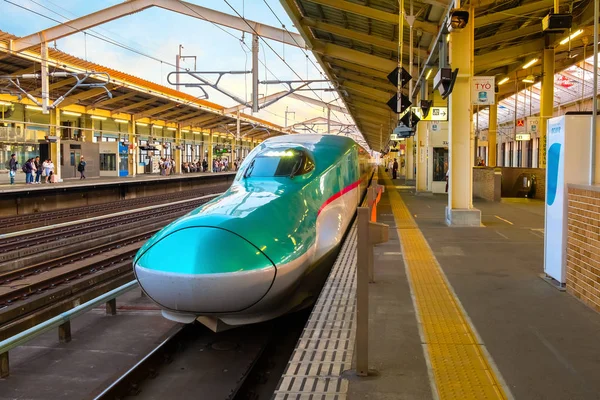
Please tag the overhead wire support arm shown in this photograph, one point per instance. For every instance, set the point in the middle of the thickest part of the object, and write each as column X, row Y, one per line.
column 80, row 83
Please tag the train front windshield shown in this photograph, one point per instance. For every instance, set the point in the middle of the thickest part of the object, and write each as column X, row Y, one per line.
column 273, row 163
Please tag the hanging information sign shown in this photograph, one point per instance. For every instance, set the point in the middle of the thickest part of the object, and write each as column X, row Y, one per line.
column 533, row 125
column 483, row 90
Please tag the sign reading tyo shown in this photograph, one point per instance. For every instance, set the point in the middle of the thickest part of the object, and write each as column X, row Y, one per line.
column 483, row 90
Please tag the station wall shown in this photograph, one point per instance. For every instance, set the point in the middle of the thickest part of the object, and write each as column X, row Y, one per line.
column 583, row 244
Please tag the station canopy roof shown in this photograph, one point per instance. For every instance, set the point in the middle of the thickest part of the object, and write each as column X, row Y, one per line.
column 356, row 43
column 130, row 95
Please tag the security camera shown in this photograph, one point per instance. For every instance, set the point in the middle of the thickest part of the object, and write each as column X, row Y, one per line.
column 458, row 20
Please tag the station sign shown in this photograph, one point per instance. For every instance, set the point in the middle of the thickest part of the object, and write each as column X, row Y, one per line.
column 483, row 90
column 533, row 125
column 523, row 136
column 435, row 113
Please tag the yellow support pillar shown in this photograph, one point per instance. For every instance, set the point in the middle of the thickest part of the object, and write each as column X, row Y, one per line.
column 460, row 211
column 492, row 132
column 422, row 149
column 546, row 101
column 210, row 151
column 410, row 160
column 178, row 146
column 133, row 149
column 55, row 147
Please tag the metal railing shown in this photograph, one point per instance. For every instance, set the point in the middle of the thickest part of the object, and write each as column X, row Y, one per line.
column 369, row 233
column 62, row 322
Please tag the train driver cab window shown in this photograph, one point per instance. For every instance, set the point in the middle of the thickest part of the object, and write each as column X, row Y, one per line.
column 284, row 162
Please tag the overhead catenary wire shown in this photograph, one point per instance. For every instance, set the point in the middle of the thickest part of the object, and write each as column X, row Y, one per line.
column 118, row 44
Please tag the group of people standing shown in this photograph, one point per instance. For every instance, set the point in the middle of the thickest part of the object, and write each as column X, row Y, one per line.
column 33, row 168
column 166, row 165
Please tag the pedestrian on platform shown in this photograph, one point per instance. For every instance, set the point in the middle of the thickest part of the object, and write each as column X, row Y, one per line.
column 48, row 170
column 81, row 168
column 395, row 169
column 13, row 164
column 28, row 169
column 38, row 169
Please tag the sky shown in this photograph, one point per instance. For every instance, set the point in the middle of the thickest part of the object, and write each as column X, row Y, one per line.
column 157, row 34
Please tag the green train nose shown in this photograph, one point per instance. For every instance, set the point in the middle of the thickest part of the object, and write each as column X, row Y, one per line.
column 204, row 270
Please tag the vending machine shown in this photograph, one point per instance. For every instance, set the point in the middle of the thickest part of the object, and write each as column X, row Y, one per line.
column 567, row 162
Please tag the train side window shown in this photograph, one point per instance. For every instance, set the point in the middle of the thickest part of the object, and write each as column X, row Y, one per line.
column 273, row 163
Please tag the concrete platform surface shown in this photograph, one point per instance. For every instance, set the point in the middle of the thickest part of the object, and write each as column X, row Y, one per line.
column 543, row 341
column 21, row 186
column 102, row 347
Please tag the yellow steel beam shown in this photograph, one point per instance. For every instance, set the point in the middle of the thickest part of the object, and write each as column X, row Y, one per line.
column 115, row 99
column 178, row 110
column 383, row 85
column 359, row 36
column 55, row 85
column 135, row 105
column 493, row 18
column 200, row 119
column 355, row 56
column 502, row 56
column 87, row 94
column 506, row 36
column 373, row 13
column 334, row 63
column 366, row 91
column 156, row 110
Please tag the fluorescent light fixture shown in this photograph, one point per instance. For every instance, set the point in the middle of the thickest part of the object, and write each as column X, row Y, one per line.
column 121, row 121
column 428, row 74
column 205, row 134
column 141, row 124
column 34, row 108
column 71, row 113
column 503, row 81
column 571, row 36
column 171, row 129
column 157, row 126
column 98, row 117
column 529, row 79
column 195, row 133
column 5, row 103
column 185, row 131
column 530, row 63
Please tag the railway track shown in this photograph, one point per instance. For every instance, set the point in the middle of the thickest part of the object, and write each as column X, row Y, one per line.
column 35, row 292
column 28, row 221
column 238, row 364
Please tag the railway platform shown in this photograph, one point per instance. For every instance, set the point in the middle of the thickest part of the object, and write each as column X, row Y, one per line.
column 454, row 313
column 21, row 199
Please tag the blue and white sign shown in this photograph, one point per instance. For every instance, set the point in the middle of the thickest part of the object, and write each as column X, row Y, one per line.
column 568, row 161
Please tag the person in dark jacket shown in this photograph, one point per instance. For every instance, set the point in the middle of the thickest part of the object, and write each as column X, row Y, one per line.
column 38, row 169
column 12, row 168
column 395, row 169
column 28, row 169
column 81, row 168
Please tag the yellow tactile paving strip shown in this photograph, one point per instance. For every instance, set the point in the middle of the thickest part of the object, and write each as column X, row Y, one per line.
column 459, row 364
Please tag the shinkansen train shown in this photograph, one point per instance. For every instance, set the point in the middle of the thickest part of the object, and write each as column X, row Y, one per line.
column 264, row 247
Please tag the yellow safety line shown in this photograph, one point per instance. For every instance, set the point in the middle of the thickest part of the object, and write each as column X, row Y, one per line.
column 459, row 364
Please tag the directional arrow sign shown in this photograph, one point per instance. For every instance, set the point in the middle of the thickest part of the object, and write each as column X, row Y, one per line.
column 393, row 77
column 435, row 113
column 393, row 103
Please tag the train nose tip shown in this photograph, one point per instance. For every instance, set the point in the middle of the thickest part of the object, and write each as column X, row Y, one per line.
column 203, row 270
